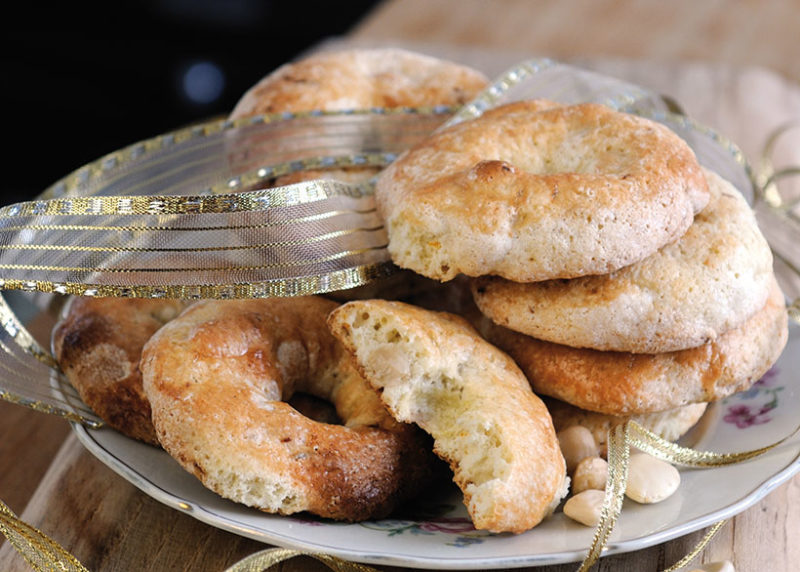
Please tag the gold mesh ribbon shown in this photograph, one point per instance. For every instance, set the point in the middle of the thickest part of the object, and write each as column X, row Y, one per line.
column 39, row 550
column 631, row 434
column 187, row 214
column 266, row 559
column 197, row 213
column 192, row 215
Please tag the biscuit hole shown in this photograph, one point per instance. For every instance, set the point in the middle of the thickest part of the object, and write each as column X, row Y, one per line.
column 198, row 470
column 315, row 408
column 393, row 337
column 360, row 319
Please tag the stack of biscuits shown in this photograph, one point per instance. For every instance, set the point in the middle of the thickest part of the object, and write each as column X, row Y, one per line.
column 697, row 321
column 618, row 300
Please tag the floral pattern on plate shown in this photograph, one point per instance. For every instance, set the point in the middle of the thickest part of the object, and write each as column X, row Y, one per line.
column 756, row 405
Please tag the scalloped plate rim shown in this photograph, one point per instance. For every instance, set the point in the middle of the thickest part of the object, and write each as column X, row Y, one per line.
column 103, row 448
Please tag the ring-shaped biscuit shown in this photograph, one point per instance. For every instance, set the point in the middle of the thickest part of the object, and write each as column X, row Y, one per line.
column 620, row 383
column 433, row 369
column 361, row 79
column 358, row 79
column 98, row 343
column 533, row 191
column 217, row 378
column 709, row 281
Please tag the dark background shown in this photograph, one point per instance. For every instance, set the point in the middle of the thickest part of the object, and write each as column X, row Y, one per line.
column 82, row 79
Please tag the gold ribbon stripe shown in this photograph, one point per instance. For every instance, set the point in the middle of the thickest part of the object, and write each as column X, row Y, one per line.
column 250, row 246
column 41, row 552
column 631, row 434
column 153, row 228
column 394, row 128
column 250, row 201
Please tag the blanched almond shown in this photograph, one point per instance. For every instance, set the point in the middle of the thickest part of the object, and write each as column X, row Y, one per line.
column 585, row 507
column 591, row 473
column 577, row 443
column 651, row 480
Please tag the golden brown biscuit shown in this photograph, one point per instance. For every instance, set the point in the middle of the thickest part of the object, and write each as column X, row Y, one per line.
column 712, row 279
column 361, row 79
column 112, row 385
column 98, row 343
column 433, row 369
column 531, row 191
column 358, row 79
column 618, row 383
column 217, row 378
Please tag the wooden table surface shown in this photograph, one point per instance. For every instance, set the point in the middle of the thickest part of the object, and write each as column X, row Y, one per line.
column 733, row 64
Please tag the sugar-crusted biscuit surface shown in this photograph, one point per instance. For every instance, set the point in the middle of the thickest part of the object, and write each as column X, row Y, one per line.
column 534, row 191
column 217, row 378
column 712, row 279
column 433, row 369
column 619, row 383
column 98, row 343
column 361, row 79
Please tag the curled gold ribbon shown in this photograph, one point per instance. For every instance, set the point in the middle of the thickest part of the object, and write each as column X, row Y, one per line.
column 780, row 220
column 618, row 455
column 631, row 434
column 39, row 550
column 648, row 442
column 698, row 548
column 265, row 559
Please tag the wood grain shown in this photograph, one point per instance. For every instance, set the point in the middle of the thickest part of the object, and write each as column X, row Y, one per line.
column 29, row 443
column 723, row 31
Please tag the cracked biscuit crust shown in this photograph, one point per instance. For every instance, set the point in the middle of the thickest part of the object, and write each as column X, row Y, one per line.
column 533, row 190
column 692, row 291
column 217, row 378
column 620, row 383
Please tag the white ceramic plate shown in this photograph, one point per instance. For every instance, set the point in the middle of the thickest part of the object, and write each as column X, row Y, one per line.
column 436, row 533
